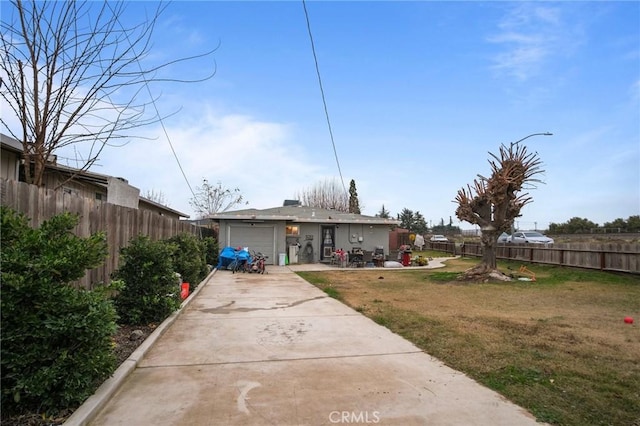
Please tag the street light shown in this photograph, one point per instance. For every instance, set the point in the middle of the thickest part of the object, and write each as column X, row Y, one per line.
column 533, row 134
column 517, row 142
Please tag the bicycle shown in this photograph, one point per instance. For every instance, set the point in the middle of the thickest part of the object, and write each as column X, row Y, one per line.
column 259, row 263
column 242, row 262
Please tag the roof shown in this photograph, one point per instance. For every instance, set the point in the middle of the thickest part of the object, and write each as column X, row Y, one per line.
column 163, row 207
column 10, row 143
column 301, row 214
column 97, row 179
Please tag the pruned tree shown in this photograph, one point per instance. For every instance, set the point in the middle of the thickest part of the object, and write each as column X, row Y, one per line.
column 327, row 194
column 354, row 203
column 493, row 203
column 72, row 74
column 210, row 199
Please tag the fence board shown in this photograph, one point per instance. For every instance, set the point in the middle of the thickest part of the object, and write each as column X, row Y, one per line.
column 119, row 223
column 621, row 257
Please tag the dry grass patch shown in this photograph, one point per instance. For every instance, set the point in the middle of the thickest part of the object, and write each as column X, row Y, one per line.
column 557, row 346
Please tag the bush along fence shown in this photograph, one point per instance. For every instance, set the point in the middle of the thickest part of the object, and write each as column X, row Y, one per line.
column 120, row 224
column 619, row 257
column 56, row 337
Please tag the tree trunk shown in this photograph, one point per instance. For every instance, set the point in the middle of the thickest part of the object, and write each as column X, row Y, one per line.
column 486, row 269
column 488, row 244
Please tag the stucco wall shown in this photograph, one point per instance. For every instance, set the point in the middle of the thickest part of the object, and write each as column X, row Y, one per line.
column 121, row 193
column 346, row 237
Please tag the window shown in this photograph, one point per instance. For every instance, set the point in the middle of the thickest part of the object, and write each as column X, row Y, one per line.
column 70, row 191
column 292, row 230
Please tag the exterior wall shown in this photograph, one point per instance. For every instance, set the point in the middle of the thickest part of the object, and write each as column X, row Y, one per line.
column 279, row 241
column 365, row 237
column 347, row 237
column 309, row 237
column 53, row 180
column 121, row 193
column 163, row 212
column 9, row 162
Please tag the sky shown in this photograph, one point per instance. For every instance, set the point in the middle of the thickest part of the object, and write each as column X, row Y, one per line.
column 418, row 95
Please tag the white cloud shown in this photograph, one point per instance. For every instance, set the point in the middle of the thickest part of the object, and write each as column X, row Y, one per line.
column 529, row 35
column 258, row 157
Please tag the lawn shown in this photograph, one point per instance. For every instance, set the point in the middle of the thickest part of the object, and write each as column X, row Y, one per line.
column 557, row 346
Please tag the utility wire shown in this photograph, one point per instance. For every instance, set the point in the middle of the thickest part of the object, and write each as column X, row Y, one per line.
column 155, row 106
column 324, row 101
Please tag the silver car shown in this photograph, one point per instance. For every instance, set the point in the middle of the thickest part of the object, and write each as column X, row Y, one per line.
column 529, row 237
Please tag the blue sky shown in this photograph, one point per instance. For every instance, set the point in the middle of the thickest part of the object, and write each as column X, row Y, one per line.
column 417, row 93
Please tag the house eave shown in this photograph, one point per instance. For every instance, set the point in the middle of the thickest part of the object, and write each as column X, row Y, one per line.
column 296, row 219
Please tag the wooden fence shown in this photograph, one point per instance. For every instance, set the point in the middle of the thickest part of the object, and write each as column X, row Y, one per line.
column 119, row 223
column 621, row 257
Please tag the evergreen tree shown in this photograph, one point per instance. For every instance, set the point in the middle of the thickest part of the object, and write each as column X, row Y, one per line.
column 419, row 224
column 384, row 213
column 354, row 205
column 406, row 219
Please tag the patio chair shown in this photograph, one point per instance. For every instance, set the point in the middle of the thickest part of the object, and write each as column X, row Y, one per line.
column 367, row 257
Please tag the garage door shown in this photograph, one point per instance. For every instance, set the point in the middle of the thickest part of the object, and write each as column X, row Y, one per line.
column 257, row 238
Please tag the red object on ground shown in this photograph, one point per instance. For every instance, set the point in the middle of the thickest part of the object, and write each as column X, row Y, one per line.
column 184, row 291
column 628, row 320
column 406, row 258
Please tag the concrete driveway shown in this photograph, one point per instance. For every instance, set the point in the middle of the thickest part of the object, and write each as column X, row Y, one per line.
column 274, row 350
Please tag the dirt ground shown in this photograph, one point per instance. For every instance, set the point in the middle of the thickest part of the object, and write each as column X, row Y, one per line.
column 124, row 344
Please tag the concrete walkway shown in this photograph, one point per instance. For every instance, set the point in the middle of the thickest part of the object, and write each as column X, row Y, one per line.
column 274, row 350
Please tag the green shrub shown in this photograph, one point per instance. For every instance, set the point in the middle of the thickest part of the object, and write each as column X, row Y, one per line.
column 151, row 292
column 188, row 258
column 211, row 248
column 55, row 339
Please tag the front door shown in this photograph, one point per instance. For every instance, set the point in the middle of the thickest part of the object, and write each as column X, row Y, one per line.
column 328, row 242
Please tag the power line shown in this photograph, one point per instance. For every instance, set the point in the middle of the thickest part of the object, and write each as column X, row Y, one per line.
column 324, row 101
column 155, row 106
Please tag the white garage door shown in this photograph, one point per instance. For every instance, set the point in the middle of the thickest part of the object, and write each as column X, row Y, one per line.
column 257, row 238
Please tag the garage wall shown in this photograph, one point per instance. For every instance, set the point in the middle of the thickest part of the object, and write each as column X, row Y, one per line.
column 270, row 238
column 267, row 238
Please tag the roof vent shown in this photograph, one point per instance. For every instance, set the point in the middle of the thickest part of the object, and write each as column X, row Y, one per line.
column 291, row 203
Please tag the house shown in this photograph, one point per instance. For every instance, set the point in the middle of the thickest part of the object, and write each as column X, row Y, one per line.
column 304, row 234
column 109, row 189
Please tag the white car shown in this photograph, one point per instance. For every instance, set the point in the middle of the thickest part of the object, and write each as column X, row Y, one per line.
column 529, row 237
column 438, row 239
column 504, row 238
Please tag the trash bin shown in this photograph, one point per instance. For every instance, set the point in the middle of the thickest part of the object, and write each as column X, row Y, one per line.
column 406, row 258
column 282, row 259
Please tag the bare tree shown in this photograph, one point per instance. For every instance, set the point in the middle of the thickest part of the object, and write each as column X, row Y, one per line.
column 210, row 199
column 327, row 194
column 493, row 203
column 156, row 197
column 72, row 74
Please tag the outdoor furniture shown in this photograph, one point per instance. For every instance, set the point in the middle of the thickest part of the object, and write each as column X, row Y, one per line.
column 367, row 258
column 378, row 257
column 356, row 258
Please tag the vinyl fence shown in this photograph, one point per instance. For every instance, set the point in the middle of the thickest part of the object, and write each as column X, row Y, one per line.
column 119, row 223
column 621, row 257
